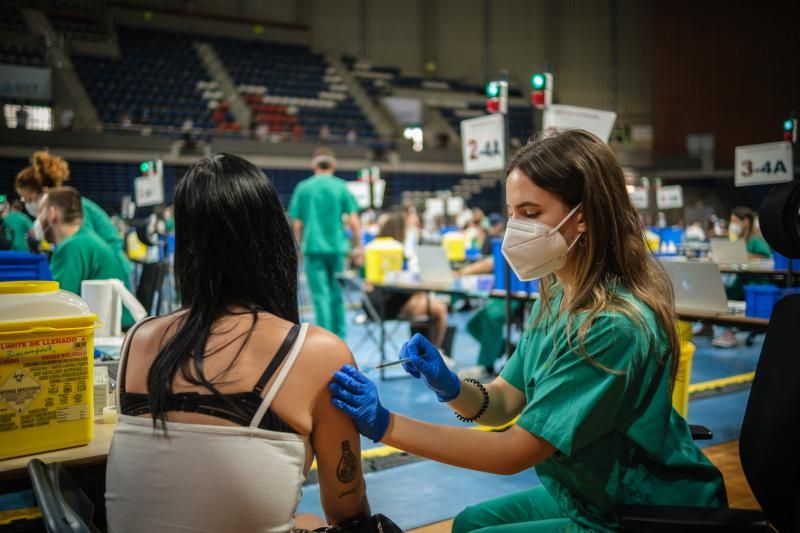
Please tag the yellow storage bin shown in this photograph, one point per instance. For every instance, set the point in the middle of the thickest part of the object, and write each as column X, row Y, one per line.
column 46, row 368
column 382, row 255
column 456, row 245
column 685, row 331
column 680, row 394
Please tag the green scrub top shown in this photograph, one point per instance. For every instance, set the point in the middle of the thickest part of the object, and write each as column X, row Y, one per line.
column 758, row 246
column 85, row 256
column 618, row 440
column 319, row 202
column 96, row 219
column 17, row 226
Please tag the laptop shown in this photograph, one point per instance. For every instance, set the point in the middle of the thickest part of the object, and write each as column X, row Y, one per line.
column 697, row 286
column 727, row 252
column 434, row 267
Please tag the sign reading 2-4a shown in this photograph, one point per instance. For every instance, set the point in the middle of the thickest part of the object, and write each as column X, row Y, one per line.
column 761, row 164
column 483, row 144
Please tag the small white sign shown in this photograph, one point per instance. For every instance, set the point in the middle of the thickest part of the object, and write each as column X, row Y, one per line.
column 360, row 190
column 759, row 164
column 567, row 117
column 639, row 198
column 669, row 197
column 483, row 144
column 149, row 190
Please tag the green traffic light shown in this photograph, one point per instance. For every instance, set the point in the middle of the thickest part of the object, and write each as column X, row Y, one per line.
column 538, row 81
column 144, row 166
column 788, row 124
column 492, row 89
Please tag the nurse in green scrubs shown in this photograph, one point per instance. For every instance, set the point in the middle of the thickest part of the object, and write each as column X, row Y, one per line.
column 319, row 206
column 47, row 170
column 588, row 389
column 79, row 254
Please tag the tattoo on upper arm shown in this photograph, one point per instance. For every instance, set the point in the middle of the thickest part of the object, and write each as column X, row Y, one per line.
column 348, row 492
column 347, row 467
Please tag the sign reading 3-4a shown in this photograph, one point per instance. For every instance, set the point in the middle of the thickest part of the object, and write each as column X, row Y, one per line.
column 760, row 164
column 483, row 144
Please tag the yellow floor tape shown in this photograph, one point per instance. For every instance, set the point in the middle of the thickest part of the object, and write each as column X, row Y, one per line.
column 722, row 382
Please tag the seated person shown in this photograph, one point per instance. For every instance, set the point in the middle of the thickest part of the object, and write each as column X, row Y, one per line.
column 487, row 325
column 743, row 226
column 406, row 306
column 80, row 254
column 225, row 404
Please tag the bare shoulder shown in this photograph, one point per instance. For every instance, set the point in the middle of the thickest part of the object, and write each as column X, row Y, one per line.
column 325, row 351
column 154, row 331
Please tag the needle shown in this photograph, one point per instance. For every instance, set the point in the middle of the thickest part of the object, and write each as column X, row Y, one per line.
column 367, row 369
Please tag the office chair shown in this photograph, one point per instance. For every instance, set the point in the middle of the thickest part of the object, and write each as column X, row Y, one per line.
column 64, row 506
column 767, row 446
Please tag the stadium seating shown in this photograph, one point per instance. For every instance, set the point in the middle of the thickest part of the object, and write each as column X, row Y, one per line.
column 77, row 19
column 154, row 82
column 520, row 117
column 292, row 90
column 20, row 54
column 11, row 18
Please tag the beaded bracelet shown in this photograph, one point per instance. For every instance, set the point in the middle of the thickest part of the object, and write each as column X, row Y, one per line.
column 483, row 407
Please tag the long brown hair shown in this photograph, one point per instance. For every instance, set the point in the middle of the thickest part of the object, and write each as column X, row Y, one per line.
column 579, row 168
column 45, row 170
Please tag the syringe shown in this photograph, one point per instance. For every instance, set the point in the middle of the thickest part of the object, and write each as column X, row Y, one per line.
column 366, row 369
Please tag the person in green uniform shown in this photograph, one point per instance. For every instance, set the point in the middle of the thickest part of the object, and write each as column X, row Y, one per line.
column 319, row 206
column 487, row 325
column 742, row 227
column 589, row 387
column 47, row 171
column 17, row 225
column 80, row 254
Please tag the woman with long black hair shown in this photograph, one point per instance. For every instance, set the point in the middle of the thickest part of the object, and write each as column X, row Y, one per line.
column 224, row 404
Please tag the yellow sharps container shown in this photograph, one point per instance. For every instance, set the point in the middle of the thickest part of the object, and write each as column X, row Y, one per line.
column 382, row 255
column 46, row 368
column 456, row 245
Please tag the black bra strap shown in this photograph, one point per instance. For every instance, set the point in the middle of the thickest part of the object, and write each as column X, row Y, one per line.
column 280, row 355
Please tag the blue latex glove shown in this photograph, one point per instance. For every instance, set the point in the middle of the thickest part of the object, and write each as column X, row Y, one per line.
column 355, row 395
column 427, row 364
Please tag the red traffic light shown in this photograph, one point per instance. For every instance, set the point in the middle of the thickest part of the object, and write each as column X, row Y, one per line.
column 493, row 105
column 538, row 99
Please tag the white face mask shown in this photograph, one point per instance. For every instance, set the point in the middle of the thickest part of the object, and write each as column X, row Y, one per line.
column 534, row 249
column 32, row 208
column 38, row 231
column 735, row 229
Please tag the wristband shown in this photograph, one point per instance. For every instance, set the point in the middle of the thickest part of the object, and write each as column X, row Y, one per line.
column 484, row 406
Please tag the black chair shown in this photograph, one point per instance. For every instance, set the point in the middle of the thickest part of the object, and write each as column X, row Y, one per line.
column 149, row 289
column 768, row 445
column 64, row 506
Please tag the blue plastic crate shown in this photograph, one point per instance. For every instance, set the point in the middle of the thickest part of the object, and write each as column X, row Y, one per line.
column 782, row 262
column 21, row 266
column 499, row 274
column 760, row 299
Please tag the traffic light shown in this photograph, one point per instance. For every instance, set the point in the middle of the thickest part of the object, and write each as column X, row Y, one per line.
column 497, row 97
column 790, row 130
column 542, row 93
column 144, row 167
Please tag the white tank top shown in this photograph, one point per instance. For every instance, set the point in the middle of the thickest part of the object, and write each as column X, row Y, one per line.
column 206, row 478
